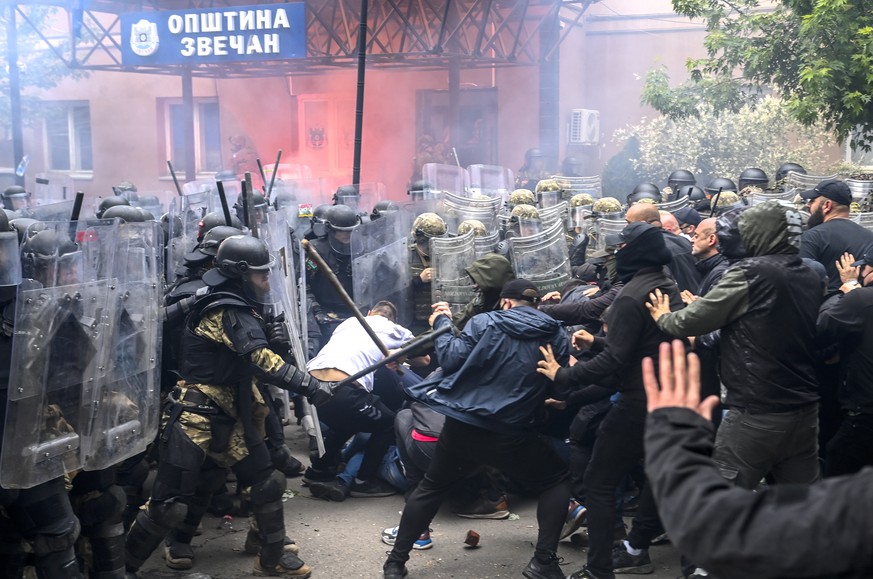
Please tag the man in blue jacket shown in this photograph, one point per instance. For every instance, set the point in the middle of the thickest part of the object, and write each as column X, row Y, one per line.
column 490, row 392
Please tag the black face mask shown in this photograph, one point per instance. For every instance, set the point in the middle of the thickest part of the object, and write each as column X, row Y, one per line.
column 815, row 218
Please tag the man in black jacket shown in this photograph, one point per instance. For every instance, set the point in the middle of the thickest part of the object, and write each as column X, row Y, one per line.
column 766, row 306
column 682, row 263
column 849, row 323
column 820, row 531
column 631, row 336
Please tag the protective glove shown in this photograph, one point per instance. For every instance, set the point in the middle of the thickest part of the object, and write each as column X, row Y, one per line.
column 278, row 336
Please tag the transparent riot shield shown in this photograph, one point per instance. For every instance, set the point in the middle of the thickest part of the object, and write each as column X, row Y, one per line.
column 459, row 209
column 52, row 188
column 59, row 347
column 380, row 268
column 557, row 212
column 276, row 235
column 491, row 180
column 450, row 178
column 574, row 185
column 484, row 244
column 577, row 218
column 604, row 227
column 124, row 409
column 450, row 257
column 542, row 259
column 57, row 211
column 362, row 198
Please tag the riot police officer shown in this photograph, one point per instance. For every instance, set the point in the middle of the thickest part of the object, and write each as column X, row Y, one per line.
column 325, row 303
column 425, row 227
column 216, row 413
column 111, row 201
column 15, row 197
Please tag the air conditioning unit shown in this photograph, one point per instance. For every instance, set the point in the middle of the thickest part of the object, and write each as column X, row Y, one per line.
column 584, row 127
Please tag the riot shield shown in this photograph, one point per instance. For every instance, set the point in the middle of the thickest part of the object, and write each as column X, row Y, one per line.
column 61, row 337
column 459, row 209
column 450, row 257
column 440, row 178
column 484, row 244
column 57, row 211
column 51, row 189
column 491, row 180
column 380, row 266
column 574, row 185
column 364, row 198
column 125, row 405
column 200, row 197
column 604, row 227
column 557, row 212
column 542, row 259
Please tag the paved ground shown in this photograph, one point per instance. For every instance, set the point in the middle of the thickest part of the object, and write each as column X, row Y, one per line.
column 341, row 540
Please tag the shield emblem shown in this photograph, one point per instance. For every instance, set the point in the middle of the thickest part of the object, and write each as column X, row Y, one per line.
column 144, row 38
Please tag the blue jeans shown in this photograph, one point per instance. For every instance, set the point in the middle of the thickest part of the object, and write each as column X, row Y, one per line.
column 389, row 470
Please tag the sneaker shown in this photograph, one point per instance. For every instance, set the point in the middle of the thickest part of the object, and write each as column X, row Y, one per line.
column 698, row 573
column 389, row 535
column 253, row 544
column 290, row 565
column 536, row 569
column 372, row 488
column 394, row 570
column 311, row 475
column 483, row 508
column 624, row 562
column 178, row 555
column 335, row 490
column 585, row 573
column 575, row 518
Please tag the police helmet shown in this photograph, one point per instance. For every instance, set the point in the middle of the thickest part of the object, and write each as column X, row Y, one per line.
column 214, row 219
column 644, row 191
column 239, row 254
column 43, row 255
column 693, row 192
column 15, row 195
column 720, row 184
column 127, row 214
column 581, row 200
column 25, row 227
column 786, row 168
column 111, row 201
column 213, row 238
column 753, row 176
column 525, row 211
column 680, row 178
column 428, row 225
column 342, row 218
column 607, row 205
column 522, row 197
column 259, row 204
column 477, row 227
column 125, row 189
column 383, row 207
column 531, row 154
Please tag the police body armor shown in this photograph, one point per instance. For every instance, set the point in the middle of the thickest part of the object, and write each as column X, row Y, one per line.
column 332, row 305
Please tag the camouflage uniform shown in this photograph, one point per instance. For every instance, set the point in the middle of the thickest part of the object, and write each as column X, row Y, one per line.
column 425, row 226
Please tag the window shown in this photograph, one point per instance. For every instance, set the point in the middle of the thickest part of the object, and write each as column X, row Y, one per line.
column 68, row 136
column 207, row 137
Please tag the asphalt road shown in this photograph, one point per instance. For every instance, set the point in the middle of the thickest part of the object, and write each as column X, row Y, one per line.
column 342, row 540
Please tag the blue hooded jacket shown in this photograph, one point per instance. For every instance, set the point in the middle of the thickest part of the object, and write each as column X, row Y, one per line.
column 488, row 374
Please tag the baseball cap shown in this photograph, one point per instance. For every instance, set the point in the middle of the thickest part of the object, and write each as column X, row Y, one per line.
column 520, row 289
column 629, row 233
column 687, row 216
column 866, row 259
column 832, row 189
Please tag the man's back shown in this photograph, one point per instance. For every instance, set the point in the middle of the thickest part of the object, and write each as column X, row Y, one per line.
column 826, row 242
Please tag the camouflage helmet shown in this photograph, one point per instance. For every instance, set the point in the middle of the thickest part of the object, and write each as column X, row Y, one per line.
column 525, row 211
column 480, row 200
column 548, row 185
column 855, row 207
column 645, row 200
column 581, row 199
column 428, row 225
column 726, row 199
column 477, row 227
column 607, row 205
column 522, row 197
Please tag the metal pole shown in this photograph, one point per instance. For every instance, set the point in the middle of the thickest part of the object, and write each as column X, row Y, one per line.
column 14, row 91
column 359, row 105
column 188, row 113
column 455, row 105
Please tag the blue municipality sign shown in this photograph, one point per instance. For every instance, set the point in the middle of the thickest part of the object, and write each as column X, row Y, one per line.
column 233, row 34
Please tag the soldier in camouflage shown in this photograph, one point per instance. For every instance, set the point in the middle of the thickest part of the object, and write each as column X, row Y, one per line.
column 425, row 227
column 477, row 227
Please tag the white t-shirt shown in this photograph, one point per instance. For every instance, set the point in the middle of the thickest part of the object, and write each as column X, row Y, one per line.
column 350, row 349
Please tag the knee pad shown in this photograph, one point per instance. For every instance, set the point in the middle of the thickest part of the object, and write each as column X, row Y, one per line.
column 44, row 510
column 45, row 544
column 270, row 489
column 106, row 507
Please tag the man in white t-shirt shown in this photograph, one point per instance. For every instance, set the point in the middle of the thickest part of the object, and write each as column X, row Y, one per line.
column 354, row 408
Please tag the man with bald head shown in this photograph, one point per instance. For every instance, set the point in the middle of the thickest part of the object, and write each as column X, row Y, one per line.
column 670, row 223
column 704, row 247
column 682, row 265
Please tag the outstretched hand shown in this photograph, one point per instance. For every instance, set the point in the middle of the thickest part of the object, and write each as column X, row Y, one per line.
column 659, row 304
column 844, row 266
column 548, row 366
column 680, row 382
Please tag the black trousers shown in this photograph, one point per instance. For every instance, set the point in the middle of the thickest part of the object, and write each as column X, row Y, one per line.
column 850, row 450
column 350, row 411
column 462, row 449
column 618, row 448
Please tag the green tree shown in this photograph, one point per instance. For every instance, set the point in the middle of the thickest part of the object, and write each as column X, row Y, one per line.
column 711, row 145
column 815, row 55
